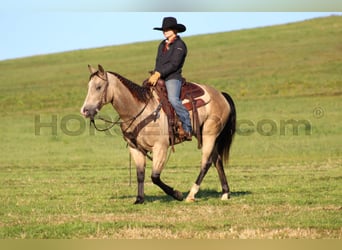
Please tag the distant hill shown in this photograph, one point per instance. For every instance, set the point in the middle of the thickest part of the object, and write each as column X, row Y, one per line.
column 303, row 58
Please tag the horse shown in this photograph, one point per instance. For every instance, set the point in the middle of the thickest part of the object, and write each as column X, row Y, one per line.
column 134, row 103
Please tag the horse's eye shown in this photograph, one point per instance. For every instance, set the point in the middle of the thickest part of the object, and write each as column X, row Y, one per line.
column 98, row 87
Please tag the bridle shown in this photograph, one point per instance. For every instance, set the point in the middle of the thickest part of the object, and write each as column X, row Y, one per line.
column 130, row 135
column 105, row 90
column 103, row 100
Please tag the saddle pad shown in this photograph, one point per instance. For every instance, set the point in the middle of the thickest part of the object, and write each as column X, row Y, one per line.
column 190, row 89
column 200, row 96
column 199, row 103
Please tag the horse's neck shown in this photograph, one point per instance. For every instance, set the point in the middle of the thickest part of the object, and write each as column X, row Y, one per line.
column 123, row 100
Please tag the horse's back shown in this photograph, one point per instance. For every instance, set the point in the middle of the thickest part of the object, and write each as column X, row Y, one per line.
column 217, row 103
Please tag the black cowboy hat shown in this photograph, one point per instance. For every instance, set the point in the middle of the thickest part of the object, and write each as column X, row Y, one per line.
column 171, row 23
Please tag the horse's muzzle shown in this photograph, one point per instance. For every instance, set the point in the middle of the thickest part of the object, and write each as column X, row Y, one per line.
column 89, row 111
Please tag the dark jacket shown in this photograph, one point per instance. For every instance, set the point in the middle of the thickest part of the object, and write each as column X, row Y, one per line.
column 169, row 63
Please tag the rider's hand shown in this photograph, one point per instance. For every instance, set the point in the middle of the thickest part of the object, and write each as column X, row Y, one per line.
column 154, row 78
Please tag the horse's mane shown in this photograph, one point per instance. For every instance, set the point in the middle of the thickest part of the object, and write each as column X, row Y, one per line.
column 141, row 93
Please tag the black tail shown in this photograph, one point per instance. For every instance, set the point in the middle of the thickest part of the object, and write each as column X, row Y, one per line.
column 225, row 139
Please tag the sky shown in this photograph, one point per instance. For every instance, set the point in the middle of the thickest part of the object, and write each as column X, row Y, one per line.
column 36, row 32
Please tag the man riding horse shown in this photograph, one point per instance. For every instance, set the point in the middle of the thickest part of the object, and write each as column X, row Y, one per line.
column 143, row 122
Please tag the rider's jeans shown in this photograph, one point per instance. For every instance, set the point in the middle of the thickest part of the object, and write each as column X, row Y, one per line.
column 173, row 87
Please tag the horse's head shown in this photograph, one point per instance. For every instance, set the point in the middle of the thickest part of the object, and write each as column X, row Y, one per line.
column 97, row 92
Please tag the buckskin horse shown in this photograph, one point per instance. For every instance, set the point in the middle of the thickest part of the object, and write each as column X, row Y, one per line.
column 141, row 116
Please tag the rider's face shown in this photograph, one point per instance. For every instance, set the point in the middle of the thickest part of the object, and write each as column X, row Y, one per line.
column 169, row 33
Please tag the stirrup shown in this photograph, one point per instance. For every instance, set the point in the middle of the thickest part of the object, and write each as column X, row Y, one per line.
column 188, row 136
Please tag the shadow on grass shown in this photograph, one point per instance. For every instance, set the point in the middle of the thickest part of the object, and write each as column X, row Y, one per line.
column 204, row 194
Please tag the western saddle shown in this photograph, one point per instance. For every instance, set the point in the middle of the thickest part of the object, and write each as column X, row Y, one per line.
column 190, row 91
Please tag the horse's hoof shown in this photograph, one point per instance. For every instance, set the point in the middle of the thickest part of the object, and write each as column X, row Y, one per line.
column 177, row 195
column 225, row 197
column 190, row 200
column 139, row 200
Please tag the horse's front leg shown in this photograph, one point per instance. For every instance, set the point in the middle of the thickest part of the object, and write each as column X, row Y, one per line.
column 140, row 163
column 159, row 158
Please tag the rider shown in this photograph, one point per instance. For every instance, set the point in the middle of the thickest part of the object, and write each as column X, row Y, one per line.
column 169, row 62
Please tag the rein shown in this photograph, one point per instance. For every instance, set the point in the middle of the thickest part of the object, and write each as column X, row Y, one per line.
column 117, row 122
column 131, row 136
column 92, row 121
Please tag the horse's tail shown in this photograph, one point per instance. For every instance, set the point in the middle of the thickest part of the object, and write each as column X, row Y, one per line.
column 224, row 140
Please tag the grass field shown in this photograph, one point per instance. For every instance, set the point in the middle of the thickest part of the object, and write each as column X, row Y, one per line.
column 63, row 180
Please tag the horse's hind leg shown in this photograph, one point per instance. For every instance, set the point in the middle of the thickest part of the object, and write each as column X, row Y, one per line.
column 207, row 150
column 207, row 161
column 195, row 187
column 223, row 179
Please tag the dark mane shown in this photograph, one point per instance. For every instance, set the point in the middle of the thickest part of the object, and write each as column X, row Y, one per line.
column 141, row 93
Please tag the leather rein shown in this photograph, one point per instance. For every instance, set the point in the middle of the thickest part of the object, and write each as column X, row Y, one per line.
column 153, row 116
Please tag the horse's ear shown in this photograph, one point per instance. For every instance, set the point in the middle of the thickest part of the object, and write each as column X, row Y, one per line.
column 101, row 70
column 91, row 69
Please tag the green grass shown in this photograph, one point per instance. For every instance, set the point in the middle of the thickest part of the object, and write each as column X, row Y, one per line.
column 287, row 185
